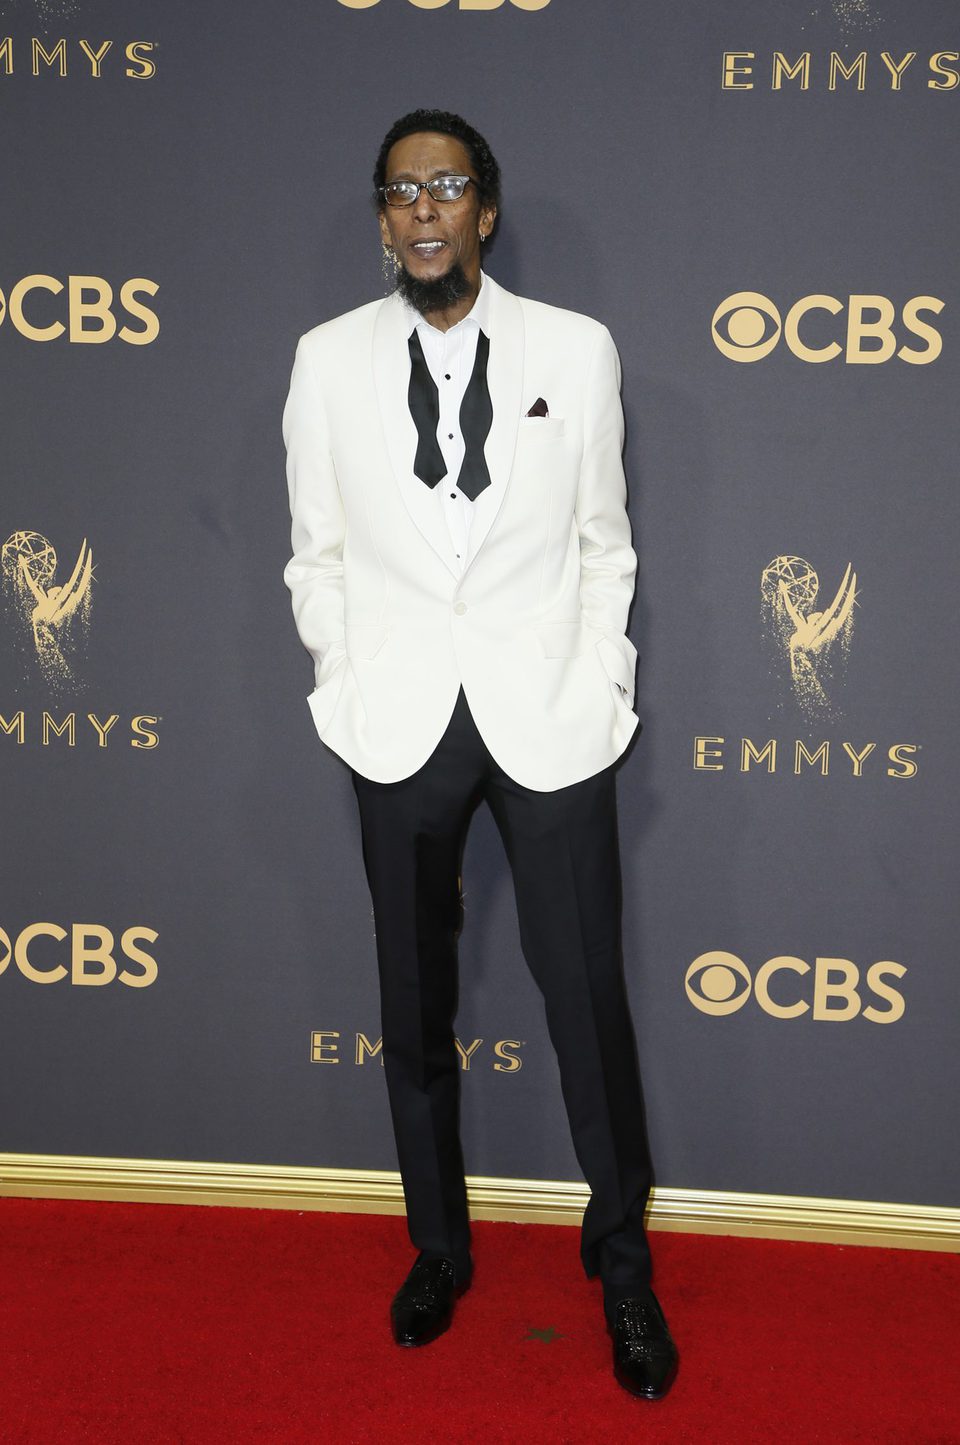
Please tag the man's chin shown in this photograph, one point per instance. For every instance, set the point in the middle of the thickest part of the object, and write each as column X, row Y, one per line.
column 433, row 293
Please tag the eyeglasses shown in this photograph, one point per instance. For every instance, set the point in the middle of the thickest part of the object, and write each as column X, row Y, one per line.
column 441, row 188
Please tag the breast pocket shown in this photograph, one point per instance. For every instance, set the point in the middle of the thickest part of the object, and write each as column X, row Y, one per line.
column 540, row 428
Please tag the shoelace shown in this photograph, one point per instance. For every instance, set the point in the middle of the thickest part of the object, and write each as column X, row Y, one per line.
column 634, row 1318
column 424, row 1287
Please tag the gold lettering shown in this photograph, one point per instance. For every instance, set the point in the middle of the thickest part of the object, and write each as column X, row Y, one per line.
column 905, row 767
column 57, row 55
column 99, row 952
column 6, row 54
column 857, row 67
column 429, row 4
column 467, row 1054
column 858, row 330
column 324, row 1046
column 858, row 759
column 98, row 309
column 67, row 726
column 144, row 736
column 821, row 756
column 95, row 57
column 504, row 1049
column 749, row 754
column 845, row 988
column 783, row 70
column 950, row 78
column 34, row 283
column 141, row 67
column 732, row 70
column 702, row 751
column 893, row 996
column 920, row 328
column 359, row 4
column 761, row 987
column 151, row 327
column 365, row 1049
column 103, row 728
column 896, row 68
column 792, row 323
column 29, row 970
column 523, row 4
column 138, row 955
column 8, row 950
column 15, row 725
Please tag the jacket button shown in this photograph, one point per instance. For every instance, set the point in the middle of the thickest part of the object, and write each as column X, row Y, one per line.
column 459, row 608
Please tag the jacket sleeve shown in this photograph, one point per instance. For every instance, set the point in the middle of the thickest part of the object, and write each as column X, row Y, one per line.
column 314, row 573
column 608, row 563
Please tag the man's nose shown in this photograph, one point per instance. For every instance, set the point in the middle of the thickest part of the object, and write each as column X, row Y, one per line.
column 425, row 207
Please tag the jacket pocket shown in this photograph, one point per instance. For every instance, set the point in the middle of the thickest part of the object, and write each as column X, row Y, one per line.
column 547, row 428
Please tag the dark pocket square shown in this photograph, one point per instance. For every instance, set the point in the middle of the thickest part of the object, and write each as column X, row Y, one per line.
column 539, row 408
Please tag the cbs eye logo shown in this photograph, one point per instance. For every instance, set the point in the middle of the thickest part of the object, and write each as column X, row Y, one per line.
column 722, row 980
column 720, row 983
column 747, row 326
column 752, row 324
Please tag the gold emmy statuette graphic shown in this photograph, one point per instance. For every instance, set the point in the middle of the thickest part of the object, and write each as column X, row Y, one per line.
column 814, row 642
column 56, row 617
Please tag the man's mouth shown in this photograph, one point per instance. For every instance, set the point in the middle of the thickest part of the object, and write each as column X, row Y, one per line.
column 426, row 249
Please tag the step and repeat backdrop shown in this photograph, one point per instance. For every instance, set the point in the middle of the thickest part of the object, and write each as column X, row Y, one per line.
column 761, row 201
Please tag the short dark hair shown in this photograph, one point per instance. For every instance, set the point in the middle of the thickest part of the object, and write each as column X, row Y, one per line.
column 445, row 123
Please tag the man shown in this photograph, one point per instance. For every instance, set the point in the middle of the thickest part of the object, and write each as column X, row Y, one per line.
column 461, row 575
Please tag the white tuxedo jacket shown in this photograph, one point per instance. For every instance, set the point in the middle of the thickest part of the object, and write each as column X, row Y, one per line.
column 534, row 625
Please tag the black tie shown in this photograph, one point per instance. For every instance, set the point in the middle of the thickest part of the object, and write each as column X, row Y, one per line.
column 423, row 400
column 476, row 417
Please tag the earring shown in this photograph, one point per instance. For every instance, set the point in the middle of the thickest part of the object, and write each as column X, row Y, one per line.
column 389, row 263
column 483, row 237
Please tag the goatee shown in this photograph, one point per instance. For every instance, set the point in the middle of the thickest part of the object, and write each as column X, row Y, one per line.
column 438, row 294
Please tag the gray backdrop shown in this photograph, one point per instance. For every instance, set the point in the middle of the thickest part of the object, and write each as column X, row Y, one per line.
column 232, row 170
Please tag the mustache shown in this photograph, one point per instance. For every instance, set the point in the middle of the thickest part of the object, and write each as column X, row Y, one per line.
column 436, row 294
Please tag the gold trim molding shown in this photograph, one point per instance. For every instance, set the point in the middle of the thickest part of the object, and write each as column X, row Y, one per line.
column 526, row 1201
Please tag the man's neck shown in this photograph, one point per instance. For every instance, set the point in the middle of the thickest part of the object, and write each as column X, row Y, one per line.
column 443, row 319
column 441, row 304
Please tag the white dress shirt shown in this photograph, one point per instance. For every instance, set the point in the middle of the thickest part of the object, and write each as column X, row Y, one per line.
column 450, row 356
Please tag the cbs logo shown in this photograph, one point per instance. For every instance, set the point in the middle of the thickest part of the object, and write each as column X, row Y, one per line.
column 90, row 954
column 459, row 4
column 747, row 326
column 720, row 983
column 89, row 310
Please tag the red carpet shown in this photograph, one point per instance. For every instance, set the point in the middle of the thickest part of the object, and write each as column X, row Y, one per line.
column 165, row 1325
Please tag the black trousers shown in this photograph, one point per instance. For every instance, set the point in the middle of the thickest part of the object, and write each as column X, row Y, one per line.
column 563, row 852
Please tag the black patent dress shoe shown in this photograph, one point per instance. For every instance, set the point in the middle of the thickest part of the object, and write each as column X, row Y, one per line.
column 644, row 1355
column 423, row 1306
